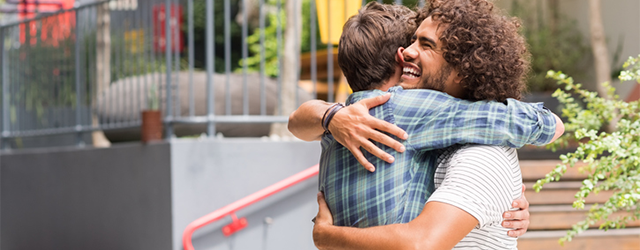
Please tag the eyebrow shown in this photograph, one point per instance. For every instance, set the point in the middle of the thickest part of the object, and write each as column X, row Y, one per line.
column 424, row 39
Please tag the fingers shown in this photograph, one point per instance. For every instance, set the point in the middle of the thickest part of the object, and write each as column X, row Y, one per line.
column 390, row 128
column 321, row 202
column 516, row 224
column 361, row 159
column 516, row 233
column 521, row 203
column 373, row 149
column 375, row 101
column 324, row 215
column 386, row 140
column 516, row 215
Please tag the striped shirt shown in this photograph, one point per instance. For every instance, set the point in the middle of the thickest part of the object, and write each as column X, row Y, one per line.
column 396, row 193
column 482, row 180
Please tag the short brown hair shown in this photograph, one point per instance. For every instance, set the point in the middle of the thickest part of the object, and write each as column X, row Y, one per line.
column 369, row 41
column 483, row 46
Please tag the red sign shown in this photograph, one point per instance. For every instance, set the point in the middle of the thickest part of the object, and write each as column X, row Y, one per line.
column 159, row 28
column 53, row 28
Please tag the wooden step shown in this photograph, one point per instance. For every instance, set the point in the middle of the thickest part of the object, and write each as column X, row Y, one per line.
column 532, row 170
column 560, row 217
column 555, row 193
column 621, row 239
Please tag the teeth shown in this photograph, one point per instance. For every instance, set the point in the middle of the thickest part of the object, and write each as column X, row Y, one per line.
column 411, row 71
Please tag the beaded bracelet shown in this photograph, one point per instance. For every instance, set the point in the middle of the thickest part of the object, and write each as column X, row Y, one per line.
column 329, row 115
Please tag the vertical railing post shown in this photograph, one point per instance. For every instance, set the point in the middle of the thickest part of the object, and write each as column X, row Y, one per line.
column 210, row 48
column 263, row 98
column 5, row 92
column 314, row 68
column 191, row 59
column 245, row 54
column 78, row 128
column 168, row 66
column 227, row 55
column 329, row 55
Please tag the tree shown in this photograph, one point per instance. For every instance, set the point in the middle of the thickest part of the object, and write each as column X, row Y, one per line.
column 292, row 39
column 612, row 157
column 103, row 68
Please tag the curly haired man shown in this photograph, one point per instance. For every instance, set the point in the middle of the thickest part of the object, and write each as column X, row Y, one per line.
column 461, row 48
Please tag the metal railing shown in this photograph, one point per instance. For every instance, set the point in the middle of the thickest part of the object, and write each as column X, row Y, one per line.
column 232, row 208
column 97, row 66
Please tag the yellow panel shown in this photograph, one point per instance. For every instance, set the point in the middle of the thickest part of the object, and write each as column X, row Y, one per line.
column 331, row 23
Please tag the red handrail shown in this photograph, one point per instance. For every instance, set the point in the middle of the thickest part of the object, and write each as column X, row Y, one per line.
column 246, row 201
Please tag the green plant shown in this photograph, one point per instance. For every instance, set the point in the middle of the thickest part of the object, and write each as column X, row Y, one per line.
column 612, row 159
column 270, row 37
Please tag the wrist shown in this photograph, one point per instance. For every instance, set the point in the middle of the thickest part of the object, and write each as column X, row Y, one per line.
column 329, row 114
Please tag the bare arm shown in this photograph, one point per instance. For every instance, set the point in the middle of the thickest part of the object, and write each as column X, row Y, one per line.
column 352, row 127
column 439, row 226
column 305, row 122
column 559, row 128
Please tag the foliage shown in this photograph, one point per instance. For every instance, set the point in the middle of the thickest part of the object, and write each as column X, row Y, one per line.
column 270, row 36
column 612, row 159
column 199, row 33
column 271, row 47
column 554, row 43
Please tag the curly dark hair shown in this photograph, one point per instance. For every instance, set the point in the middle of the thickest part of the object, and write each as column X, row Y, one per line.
column 483, row 46
column 369, row 41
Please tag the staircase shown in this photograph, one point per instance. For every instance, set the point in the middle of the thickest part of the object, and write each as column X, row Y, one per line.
column 552, row 214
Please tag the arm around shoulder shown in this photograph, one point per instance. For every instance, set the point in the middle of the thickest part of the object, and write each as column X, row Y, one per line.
column 305, row 122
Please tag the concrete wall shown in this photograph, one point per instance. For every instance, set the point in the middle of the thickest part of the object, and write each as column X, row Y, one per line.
column 132, row 196
column 115, row 198
column 209, row 174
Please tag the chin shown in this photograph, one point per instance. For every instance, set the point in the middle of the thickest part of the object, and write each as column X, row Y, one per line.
column 409, row 84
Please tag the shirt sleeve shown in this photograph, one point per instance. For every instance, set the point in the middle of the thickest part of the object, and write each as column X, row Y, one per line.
column 436, row 120
column 482, row 181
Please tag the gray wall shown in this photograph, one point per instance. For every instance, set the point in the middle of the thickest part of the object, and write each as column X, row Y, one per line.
column 210, row 174
column 115, row 198
column 132, row 196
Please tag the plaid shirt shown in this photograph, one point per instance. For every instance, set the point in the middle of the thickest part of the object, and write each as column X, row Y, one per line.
column 397, row 192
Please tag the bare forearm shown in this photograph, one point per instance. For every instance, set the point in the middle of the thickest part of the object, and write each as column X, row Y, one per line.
column 559, row 128
column 396, row 236
column 305, row 122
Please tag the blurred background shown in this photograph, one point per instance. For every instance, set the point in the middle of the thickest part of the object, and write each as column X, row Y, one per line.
column 124, row 121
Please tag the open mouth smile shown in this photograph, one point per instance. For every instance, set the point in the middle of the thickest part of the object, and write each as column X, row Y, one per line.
column 411, row 71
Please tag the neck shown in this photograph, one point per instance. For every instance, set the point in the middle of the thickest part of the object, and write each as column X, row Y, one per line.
column 394, row 80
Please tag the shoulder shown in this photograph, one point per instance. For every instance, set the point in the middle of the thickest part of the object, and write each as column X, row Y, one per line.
column 484, row 156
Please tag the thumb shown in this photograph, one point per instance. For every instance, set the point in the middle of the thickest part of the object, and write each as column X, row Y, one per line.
column 321, row 202
column 375, row 101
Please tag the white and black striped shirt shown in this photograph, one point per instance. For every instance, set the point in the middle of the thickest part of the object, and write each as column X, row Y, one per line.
column 483, row 181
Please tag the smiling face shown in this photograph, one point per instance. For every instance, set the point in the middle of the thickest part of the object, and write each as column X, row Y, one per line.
column 423, row 65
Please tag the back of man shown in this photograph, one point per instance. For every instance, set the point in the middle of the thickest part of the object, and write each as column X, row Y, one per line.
column 396, row 193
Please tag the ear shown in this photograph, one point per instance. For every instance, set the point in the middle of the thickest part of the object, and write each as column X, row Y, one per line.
column 399, row 57
column 457, row 78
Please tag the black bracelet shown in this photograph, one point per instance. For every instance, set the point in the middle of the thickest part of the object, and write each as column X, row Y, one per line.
column 332, row 111
column 325, row 114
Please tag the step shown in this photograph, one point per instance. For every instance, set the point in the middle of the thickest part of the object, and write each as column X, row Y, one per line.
column 620, row 239
column 560, row 217
column 556, row 193
column 532, row 170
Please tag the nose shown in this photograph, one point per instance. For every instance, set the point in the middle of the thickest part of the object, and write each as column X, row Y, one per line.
column 409, row 53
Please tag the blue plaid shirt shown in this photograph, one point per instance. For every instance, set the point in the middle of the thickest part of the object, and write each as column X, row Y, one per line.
column 397, row 192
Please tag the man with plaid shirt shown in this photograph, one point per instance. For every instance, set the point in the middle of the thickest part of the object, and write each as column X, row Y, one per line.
column 396, row 193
